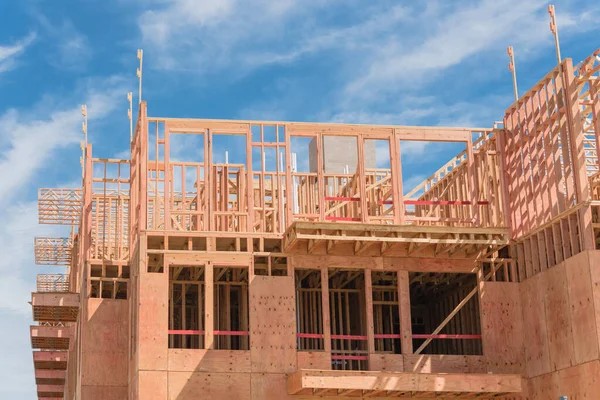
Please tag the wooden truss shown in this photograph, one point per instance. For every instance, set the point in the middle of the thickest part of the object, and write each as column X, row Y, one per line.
column 53, row 250
column 59, row 206
column 52, row 283
column 392, row 240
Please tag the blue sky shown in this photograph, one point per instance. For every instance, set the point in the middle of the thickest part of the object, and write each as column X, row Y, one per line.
column 372, row 61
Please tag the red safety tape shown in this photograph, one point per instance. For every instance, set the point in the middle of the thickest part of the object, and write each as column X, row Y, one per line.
column 443, row 202
column 310, row 335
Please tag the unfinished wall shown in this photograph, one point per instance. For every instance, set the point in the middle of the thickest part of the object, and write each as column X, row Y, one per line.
column 560, row 329
column 104, row 359
column 502, row 327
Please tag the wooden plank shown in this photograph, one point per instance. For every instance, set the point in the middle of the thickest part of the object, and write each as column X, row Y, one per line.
column 269, row 386
column 406, row 343
column 558, row 318
column 403, row 381
column 211, row 385
column 209, row 306
column 386, row 362
column 273, row 324
column 534, row 323
column 502, row 327
column 209, row 360
column 369, row 311
column 581, row 304
column 424, row 363
column 314, row 359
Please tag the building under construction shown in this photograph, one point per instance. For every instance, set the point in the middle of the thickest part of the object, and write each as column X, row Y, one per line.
column 308, row 269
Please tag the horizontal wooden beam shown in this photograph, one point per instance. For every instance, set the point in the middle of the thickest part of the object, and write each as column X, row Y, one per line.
column 404, row 381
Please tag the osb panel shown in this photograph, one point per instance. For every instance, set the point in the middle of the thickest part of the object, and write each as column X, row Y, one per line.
column 272, row 324
column 580, row 382
column 444, row 364
column 537, row 356
column 595, row 275
column 314, row 360
column 103, row 392
column 107, row 326
column 502, row 327
column 209, row 360
column 208, row 385
column 386, row 362
column 153, row 321
column 543, row 387
column 104, row 369
column 558, row 318
column 270, row 387
column 581, row 303
column 153, row 385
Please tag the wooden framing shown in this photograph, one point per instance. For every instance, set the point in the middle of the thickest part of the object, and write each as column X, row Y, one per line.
column 300, row 269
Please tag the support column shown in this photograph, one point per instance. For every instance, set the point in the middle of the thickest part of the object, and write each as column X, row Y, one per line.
column 325, row 310
column 209, row 336
column 404, row 310
column 369, row 307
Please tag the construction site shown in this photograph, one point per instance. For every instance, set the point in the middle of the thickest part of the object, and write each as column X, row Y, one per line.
column 304, row 267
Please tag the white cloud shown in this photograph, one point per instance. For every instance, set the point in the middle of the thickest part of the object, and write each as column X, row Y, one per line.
column 69, row 49
column 30, row 138
column 214, row 34
column 10, row 53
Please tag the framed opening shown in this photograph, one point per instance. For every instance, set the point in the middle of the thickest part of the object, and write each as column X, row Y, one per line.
column 386, row 317
column 231, row 319
column 434, row 296
column 186, row 307
column 309, row 308
column 348, row 319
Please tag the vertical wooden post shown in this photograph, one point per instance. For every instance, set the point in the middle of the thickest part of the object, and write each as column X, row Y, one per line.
column 250, row 185
column 87, row 204
column 320, row 173
column 362, row 193
column 396, row 167
column 369, row 307
column 211, row 187
column 404, row 310
column 472, row 181
column 209, row 306
column 325, row 309
column 168, row 188
column 143, row 169
column 289, row 201
column 578, row 153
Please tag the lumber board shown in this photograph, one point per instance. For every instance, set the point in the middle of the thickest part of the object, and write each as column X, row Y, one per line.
column 558, row 318
column 211, row 385
column 273, row 324
column 203, row 360
column 502, row 327
column 314, row 360
column 581, row 304
column 404, row 381
column 537, row 355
